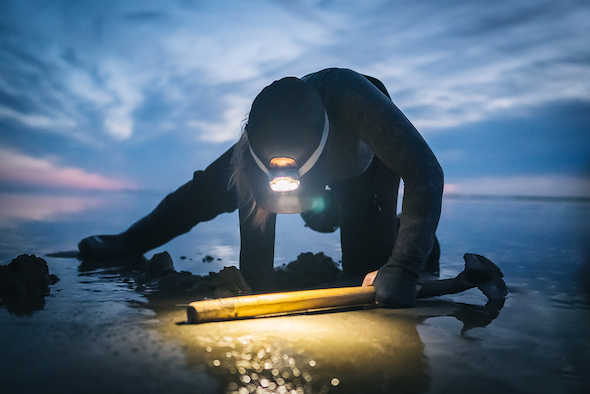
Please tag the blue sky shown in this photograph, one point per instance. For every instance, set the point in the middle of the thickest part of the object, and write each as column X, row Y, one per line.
column 138, row 94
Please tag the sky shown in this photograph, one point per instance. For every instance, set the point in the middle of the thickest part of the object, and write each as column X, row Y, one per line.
column 112, row 95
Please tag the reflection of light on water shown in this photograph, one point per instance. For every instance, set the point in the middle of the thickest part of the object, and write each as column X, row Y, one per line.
column 311, row 353
column 266, row 370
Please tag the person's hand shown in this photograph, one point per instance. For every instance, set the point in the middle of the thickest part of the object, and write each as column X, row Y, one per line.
column 395, row 286
column 103, row 247
column 369, row 278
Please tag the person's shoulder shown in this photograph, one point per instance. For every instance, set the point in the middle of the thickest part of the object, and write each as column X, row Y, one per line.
column 336, row 82
column 331, row 74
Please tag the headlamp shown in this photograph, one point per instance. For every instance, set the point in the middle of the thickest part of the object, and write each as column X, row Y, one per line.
column 283, row 174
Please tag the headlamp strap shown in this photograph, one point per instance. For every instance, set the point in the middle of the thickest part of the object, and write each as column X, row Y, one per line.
column 312, row 159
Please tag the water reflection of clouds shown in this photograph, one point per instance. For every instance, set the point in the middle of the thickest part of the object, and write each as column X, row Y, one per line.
column 224, row 253
column 221, row 251
column 19, row 207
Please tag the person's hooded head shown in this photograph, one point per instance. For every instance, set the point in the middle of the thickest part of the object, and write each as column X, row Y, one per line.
column 286, row 134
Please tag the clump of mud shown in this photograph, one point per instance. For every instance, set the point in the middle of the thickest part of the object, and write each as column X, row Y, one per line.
column 308, row 271
column 24, row 283
column 159, row 281
column 160, row 276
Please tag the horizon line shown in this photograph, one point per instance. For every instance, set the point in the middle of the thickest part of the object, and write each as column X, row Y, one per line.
column 447, row 195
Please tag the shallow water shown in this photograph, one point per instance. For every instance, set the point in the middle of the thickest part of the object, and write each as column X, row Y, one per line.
column 96, row 333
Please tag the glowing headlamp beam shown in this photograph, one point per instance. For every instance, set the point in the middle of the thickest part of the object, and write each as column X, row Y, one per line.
column 284, row 184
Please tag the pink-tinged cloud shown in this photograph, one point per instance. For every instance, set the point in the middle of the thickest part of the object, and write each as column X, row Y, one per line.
column 21, row 169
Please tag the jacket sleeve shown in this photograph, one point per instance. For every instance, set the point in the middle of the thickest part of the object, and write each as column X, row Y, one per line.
column 377, row 121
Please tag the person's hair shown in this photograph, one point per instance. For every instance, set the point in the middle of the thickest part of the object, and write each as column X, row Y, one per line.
column 239, row 181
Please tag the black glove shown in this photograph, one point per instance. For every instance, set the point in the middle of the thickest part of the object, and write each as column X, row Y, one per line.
column 395, row 286
column 103, row 247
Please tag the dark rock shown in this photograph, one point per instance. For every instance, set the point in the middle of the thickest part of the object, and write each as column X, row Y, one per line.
column 226, row 283
column 186, row 283
column 208, row 259
column 308, row 271
column 26, row 275
column 159, row 265
column 24, row 283
column 231, row 283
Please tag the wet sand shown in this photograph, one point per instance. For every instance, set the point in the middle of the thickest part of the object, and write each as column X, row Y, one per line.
column 96, row 333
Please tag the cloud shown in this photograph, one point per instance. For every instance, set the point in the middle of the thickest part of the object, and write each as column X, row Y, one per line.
column 501, row 58
column 34, row 120
column 228, row 128
column 21, row 169
column 98, row 73
column 241, row 42
column 442, row 74
column 126, row 95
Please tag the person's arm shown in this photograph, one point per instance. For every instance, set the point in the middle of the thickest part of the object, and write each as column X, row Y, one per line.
column 199, row 200
column 375, row 119
column 257, row 245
